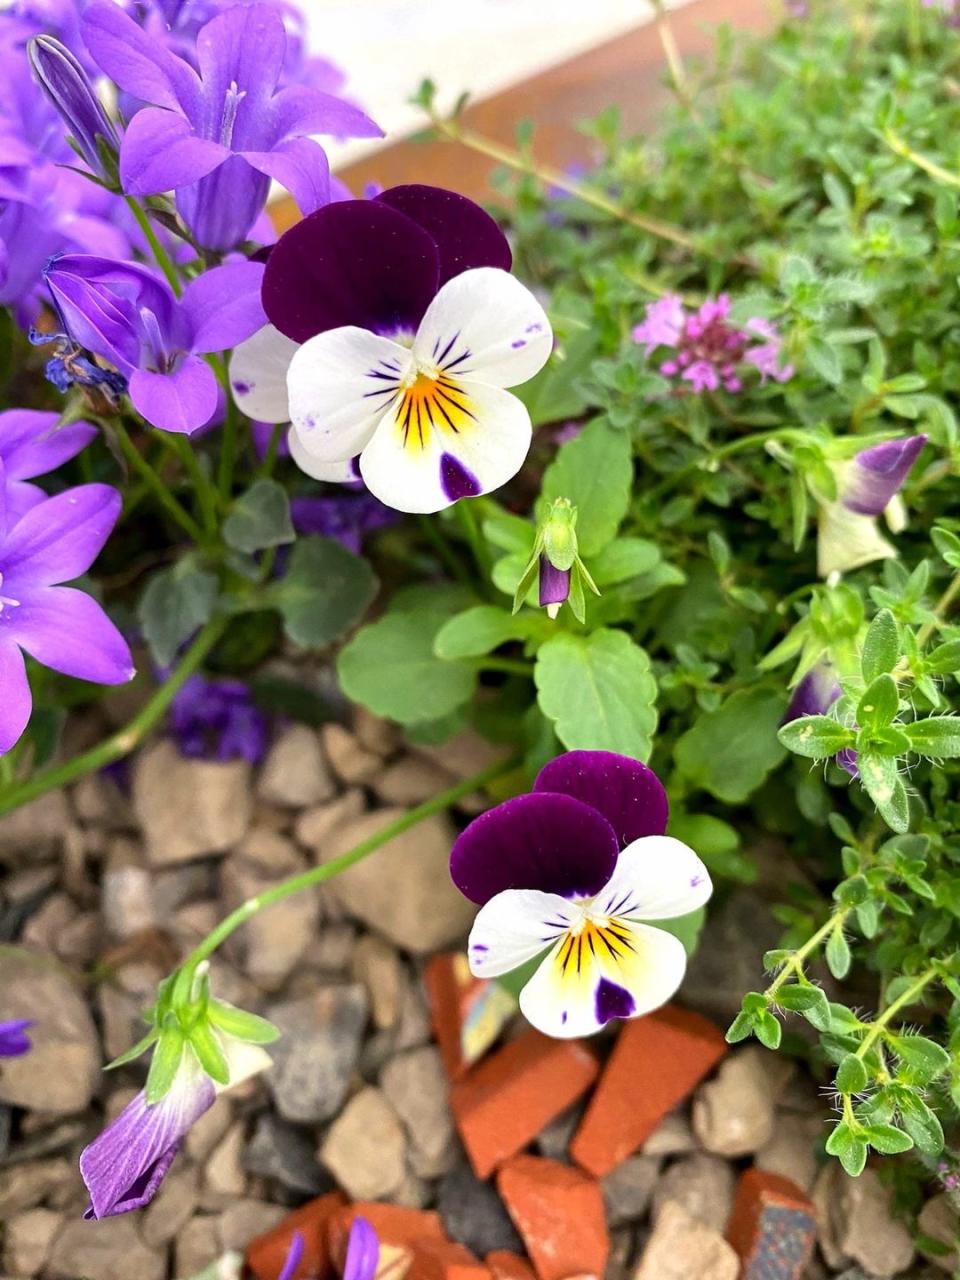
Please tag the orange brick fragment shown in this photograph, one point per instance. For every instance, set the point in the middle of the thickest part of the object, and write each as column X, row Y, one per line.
column 443, row 1260
column 772, row 1227
column 559, row 1213
column 395, row 1226
column 467, row 1013
column 505, row 1265
column 266, row 1254
column 657, row 1061
column 505, row 1101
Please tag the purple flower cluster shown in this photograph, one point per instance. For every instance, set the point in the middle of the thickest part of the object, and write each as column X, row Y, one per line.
column 218, row 720
column 708, row 352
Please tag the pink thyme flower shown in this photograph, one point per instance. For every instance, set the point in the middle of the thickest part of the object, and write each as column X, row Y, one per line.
column 708, row 349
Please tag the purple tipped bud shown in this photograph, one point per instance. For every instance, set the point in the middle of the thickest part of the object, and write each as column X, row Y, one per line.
column 554, row 586
column 815, row 694
column 877, row 474
column 68, row 87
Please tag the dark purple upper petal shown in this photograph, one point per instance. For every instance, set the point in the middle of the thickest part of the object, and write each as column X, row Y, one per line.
column 878, row 473
column 355, row 262
column 465, row 235
column 541, row 841
column 628, row 794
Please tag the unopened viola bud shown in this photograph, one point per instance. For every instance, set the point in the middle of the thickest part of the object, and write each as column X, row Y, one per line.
column 68, row 87
column 554, row 586
column 560, row 535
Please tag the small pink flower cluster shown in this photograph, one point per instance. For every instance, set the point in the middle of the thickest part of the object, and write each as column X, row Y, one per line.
column 708, row 349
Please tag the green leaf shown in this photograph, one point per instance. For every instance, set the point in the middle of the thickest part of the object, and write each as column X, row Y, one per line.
column 686, row 928
column 887, row 1139
column 837, row 954
column 132, row 1054
column 945, row 659
column 816, row 737
column 325, row 591
column 768, row 1031
column 209, row 1051
column 851, row 1075
column 921, row 1123
column 176, row 603
column 717, row 843
column 924, row 1058
column 259, row 518
column 240, row 1024
column 623, row 559
column 599, row 692
column 879, row 776
column 879, row 704
column 390, row 666
column 595, row 471
column 937, row 737
column 824, row 359
column 881, row 646
column 477, row 631
column 742, row 1026
column 165, row 1062
column 731, row 751
column 810, row 1001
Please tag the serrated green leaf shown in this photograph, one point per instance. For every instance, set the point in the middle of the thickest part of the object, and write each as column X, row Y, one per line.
column 730, row 751
column 259, row 518
column 325, row 592
column 599, row 692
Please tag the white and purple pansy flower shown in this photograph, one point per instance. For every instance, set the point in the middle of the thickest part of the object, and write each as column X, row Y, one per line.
column 395, row 330
column 574, row 871
column 868, row 486
column 14, row 1041
column 124, row 1166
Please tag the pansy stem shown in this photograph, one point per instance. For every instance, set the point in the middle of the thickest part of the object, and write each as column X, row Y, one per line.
column 162, row 258
column 319, row 875
column 228, row 445
column 126, row 739
column 152, row 480
column 204, row 487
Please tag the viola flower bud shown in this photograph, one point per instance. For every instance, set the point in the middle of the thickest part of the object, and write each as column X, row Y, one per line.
column 580, row 866
column 68, row 87
column 556, row 565
column 867, row 486
column 13, row 1039
column 814, row 695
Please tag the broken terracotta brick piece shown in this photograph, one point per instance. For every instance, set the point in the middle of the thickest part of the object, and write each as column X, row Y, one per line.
column 510, row 1097
column 266, row 1254
column 560, row 1216
column 505, row 1265
column 656, row 1062
column 468, row 1013
column 772, row 1227
column 443, row 1260
column 396, row 1227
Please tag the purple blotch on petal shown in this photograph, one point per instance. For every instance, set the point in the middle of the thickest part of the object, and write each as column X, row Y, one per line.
column 465, row 235
column 355, row 262
column 456, row 480
column 613, row 1001
column 878, row 473
column 549, row 842
column 627, row 793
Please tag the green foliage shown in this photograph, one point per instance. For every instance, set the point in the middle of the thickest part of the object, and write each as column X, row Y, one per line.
column 325, row 592
column 730, row 751
column 260, row 518
column 175, row 604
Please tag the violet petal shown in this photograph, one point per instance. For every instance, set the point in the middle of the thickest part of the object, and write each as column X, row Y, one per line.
column 464, row 233
column 627, row 793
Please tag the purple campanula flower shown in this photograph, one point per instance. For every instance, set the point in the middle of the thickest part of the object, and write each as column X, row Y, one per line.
column 14, row 1042
column 868, row 486
column 814, row 695
column 126, row 315
column 125, row 1165
column 576, row 866
column 294, row 1257
column 708, row 350
column 31, row 444
column 218, row 135
column 363, row 1252
column 218, row 720
column 60, row 627
column 411, row 328
column 68, row 88
column 345, row 517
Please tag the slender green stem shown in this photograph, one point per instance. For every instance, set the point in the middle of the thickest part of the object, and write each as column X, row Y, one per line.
column 228, row 445
column 926, row 632
column 794, row 963
column 891, row 1011
column 709, row 461
column 512, row 666
column 428, row 527
column 474, row 536
column 126, row 739
column 319, row 875
column 170, row 504
column 204, row 488
column 902, row 148
column 163, row 259
column 678, row 73
column 265, row 469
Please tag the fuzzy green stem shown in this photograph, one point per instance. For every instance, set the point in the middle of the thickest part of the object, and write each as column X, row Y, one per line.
column 795, row 962
column 126, row 739
column 204, row 488
column 163, row 259
column 155, row 484
column 907, row 998
column 903, row 149
column 511, row 666
column 319, row 875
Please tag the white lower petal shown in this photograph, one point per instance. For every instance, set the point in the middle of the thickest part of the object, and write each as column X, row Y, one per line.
column 578, row 988
column 333, row 472
column 895, row 514
column 847, row 540
column 341, row 383
column 445, row 439
column 258, row 375
column 656, row 878
column 484, row 324
column 513, row 927
column 244, row 1060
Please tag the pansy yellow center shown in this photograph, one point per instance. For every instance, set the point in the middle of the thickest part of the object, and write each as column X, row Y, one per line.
column 592, row 936
column 431, row 400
